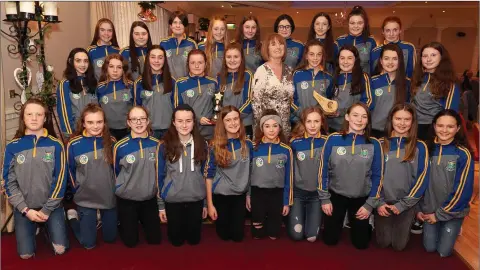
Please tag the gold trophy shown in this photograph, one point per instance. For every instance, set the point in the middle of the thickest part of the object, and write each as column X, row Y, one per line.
column 217, row 108
column 329, row 106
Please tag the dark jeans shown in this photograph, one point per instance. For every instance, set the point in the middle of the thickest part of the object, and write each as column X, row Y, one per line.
column 305, row 215
column 130, row 213
column 119, row 133
column 267, row 206
column 361, row 230
column 231, row 216
column 394, row 230
column 85, row 229
column 184, row 222
column 158, row 133
column 423, row 132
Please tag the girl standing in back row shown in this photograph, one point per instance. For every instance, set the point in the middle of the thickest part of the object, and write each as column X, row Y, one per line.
column 214, row 46
column 139, row 44
column 104, row 43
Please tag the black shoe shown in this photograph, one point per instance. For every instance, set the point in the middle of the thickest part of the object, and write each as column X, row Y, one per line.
column 417, row 227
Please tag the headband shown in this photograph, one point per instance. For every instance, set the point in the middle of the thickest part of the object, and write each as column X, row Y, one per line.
column 268, row 117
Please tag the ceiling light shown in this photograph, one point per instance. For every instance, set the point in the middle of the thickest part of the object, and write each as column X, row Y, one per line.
column 394, row 11
column 443, row 11
column 298, row 12
column 222, row 5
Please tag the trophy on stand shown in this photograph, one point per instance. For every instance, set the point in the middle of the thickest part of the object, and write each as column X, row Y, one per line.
column 217, row 107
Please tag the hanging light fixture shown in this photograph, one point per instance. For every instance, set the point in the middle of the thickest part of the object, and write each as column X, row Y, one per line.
column 340, row 18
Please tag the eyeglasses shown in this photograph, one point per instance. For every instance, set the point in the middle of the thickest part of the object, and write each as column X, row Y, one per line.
column 138, row 120
column 284, row 27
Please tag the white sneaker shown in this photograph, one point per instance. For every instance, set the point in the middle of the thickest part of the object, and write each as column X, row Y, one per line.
column 71, row 214
column 38, row 231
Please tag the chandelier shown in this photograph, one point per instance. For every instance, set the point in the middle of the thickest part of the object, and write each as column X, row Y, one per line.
column 340, row 18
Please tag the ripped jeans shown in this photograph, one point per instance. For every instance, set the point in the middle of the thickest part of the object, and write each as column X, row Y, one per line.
column 305, row 215
column 55, row 227
column 441, row 236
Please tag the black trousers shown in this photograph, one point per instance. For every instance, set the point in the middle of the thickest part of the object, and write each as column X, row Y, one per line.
column 361, row 230
column 130, row 213
column 119, row 133
column 267, row 206
column 231, row 216
column 184, row 222
column 423, row 132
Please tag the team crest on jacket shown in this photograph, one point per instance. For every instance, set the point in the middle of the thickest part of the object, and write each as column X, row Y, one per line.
column 451, row 165
column 301, row 156
column 259, row 162
column 76, row 96
column 185, row 54
column 304, row 85
column 364, row 153
column 190, row 93
column 378, row 92
column 48, row 157
column 386, row 157
column 147, row 93
column 105, row 99
column 169, row 53
column 99, row 63
column 281, row 162
column 341, row 151
column 83, row 159
column 152, row 156
column 130, row 159
column 20, row 159
column 125, row 96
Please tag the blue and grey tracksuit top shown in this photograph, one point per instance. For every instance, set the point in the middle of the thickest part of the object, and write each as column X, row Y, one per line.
column 97, row 55
column 217, row 57
column 364, row 48
column 253, row 58
column 182, row 180
column 428, row 106
column 330, row 66
column 34, row 172
column 116, row 99
column 342, row 95
column 404, row 182
column 294, row 53
column 135, row 167
column 451, row 182
column 91, row 177
column 409, row 56
column 70, row 105
column 272, row 167
column 351, row 167
column 382, row 93
column 141, row 54
column 198, row 92
column 305, row 82
column 158, row 103
column 242, row 101
column 177, row 54
column 234, row 179
column 307, row 152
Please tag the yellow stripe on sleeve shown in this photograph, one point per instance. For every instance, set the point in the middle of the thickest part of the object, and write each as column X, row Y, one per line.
column 463, row 179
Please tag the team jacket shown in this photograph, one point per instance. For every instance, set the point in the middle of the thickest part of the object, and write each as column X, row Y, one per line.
column 91, row 177
column 97, row 55
column 177, row 54
column 272, row 167
column 217, row 57
column 382, row 93
column 352, row 168
column 242, row 101
column 404, row 182
column 307, row 151
column 364, row 48
column 234, row 179
column 70, row 105
column 342, row 95
column 181, row 181
column 330, row 66
column 135, row 166
column 409, row 56
column 198, row 92
column 294, row 53
column 253, row 58
column 141, row 54
column 34, row 172
column 428, row 106
column 159, row 104
column 451, row 183
column 305, row 83
column 116, row 98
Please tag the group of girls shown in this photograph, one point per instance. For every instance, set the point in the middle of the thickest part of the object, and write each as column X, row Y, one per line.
column 117, row 163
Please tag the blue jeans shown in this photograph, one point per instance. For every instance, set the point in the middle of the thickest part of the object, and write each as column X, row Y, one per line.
column 441, row 236
column 25, row 230
column 305, row 215
column 85, row 229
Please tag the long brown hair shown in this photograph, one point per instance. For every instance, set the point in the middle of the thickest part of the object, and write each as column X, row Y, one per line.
column 329, row 41
column 202, row 53
column 299, row 129
column 104, row 75
column 259, row 133
column 210, row 43
column 411, row 145
column 368, row 128
column 240, row 36
column 400, row 75
column 357, row 72
column 166, row 75
column 96, row 35
column 48, row 125
column 359, row 11
column 219, row 142
column 311, row 43
column 149, row 126
column 444, row 76
column 106, row 138
column 238, row 86
column 133, row 53
column 173, row 146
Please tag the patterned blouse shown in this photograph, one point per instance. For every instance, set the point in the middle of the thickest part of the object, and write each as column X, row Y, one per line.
column 270, row 93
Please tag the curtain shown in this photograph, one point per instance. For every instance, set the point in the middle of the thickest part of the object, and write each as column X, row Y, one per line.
column 123, row 14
